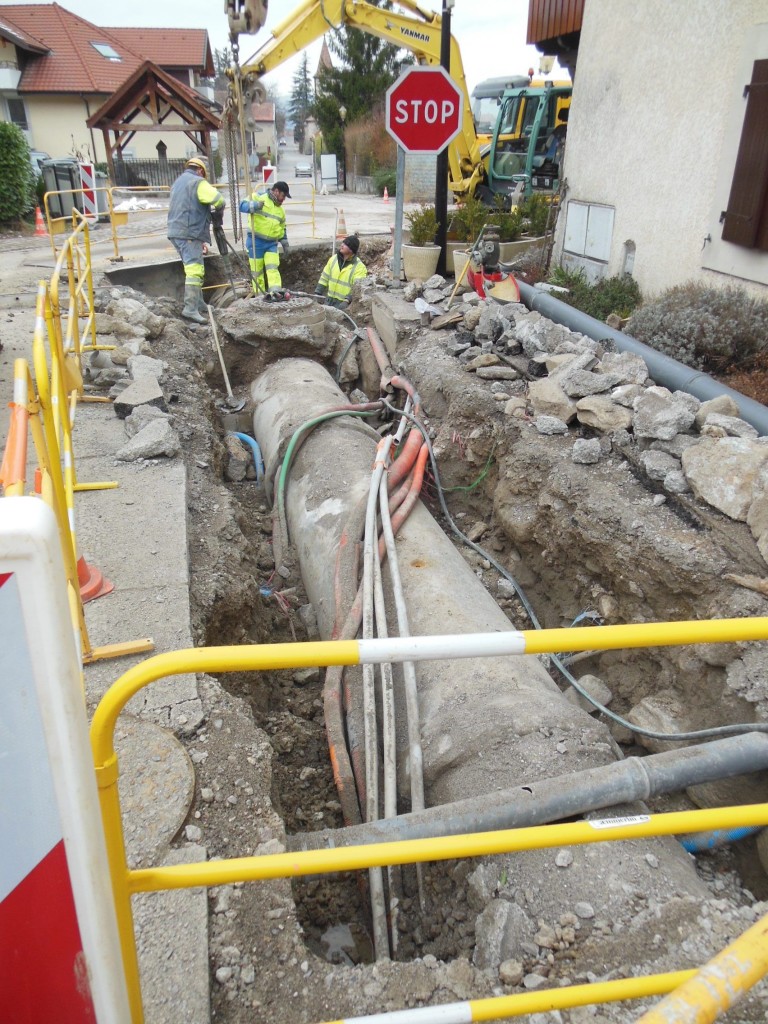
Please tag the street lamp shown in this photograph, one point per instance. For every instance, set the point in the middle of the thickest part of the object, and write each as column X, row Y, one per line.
column 343, row 116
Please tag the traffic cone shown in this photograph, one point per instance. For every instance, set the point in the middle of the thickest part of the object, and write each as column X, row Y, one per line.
column 386, row 194
column 92, row 582
column 40, row 231
column 341, row 227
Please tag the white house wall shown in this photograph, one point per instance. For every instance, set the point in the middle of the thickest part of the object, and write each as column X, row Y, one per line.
column 653, row 133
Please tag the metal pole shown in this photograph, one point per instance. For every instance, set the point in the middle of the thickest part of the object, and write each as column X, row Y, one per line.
column 399, row 189
column 441, row 170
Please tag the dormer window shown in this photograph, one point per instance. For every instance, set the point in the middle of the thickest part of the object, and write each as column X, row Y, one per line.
column 106, row 51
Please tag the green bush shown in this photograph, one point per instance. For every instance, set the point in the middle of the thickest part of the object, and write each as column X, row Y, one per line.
column 704, row 327
column 423, row 225
column 17, row 180
column 535, row 212
column 385, row 178
column 619, row 295
column 468, row 219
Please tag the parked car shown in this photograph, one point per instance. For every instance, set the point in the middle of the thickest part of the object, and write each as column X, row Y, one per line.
column 282, row 142
column 303, row 170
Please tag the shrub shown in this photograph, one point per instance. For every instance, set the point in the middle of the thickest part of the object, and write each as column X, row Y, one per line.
column 17, row 180
column 468, row 219
column 423, row 225
column 619, row 295
column 704, row 327
column 535, row 212
column 509, row 223
column 385, row 178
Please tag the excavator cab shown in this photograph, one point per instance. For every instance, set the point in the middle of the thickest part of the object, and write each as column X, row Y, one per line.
column 528, row 140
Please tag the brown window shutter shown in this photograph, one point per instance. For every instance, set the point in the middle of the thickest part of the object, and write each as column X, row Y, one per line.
column 745, row 222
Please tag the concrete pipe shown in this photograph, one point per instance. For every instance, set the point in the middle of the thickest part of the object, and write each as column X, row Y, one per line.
column 485, row 723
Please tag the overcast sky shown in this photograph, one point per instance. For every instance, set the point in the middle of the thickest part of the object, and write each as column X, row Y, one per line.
column 491, row 33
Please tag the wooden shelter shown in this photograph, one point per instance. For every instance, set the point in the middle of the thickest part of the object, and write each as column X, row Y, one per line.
column 151, row 100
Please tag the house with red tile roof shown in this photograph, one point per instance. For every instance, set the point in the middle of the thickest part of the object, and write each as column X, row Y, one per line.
column 57, row 69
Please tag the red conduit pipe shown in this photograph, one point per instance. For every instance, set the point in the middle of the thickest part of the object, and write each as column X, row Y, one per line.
column 405, row 459
column 418, row 478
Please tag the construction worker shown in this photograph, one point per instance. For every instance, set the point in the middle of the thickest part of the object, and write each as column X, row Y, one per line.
column 266, row 228
column 194, row 205
column 340, row 273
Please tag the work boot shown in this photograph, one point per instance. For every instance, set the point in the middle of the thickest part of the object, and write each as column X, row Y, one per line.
column 193, row 295
column 202, row 306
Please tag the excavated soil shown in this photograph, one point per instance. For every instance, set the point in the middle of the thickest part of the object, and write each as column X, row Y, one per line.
column 580, row 540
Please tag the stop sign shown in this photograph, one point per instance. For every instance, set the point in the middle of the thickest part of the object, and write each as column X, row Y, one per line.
column 424, row 110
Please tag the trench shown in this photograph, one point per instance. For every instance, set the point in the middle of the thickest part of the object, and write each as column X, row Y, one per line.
column 553, row 548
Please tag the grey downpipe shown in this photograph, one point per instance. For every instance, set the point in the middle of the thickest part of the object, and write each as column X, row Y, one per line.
column 549, row 800
column 663, row 369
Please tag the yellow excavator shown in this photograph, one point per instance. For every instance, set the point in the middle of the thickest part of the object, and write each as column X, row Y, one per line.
column 472, row 169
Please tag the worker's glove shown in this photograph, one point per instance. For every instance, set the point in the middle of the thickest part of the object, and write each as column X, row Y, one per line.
column 256, row 205
column 217, row 217
column 319, row 290
column 284, row 243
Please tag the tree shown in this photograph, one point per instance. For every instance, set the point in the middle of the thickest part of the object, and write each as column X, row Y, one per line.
column 276, row 97
column 300, row 105
column 221, row 60
column 368, row 66
column 17, row 180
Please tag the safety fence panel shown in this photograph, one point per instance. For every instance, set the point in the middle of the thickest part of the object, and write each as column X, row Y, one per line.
column 740, row 971
column 44, row 405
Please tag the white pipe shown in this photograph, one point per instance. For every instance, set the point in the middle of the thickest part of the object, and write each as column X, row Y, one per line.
column 429, row 648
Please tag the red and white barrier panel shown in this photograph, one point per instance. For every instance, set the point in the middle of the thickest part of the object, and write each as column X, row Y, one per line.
column 59, row 950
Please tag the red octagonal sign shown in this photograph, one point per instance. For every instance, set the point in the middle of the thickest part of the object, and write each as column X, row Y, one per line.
column 424, row 110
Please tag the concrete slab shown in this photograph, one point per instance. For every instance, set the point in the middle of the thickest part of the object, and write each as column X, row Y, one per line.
column 394, row 318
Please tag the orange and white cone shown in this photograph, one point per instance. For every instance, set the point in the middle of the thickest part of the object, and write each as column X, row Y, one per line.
column 92, row 582
column 341, row 227
column 386, row 194
column 40, row 231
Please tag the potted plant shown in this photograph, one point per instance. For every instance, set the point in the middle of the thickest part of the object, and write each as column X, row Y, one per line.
column 420, row 253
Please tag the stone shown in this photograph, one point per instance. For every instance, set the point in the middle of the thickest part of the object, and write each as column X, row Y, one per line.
column 141, row 416
column 731, row 426
column 581, row 383
column 723, row 404
column 596, row 688
column 145, row 391
column 656, row 415
column 586, row 452
column 497, row 373
column 628, row 367
column 550, row 425
column 499, row 930
column 145, row 366
column 722, row 472
column 625, row 394
column 157, row 438
column 600, row 413
column 485, row 359
column 517, row 406
column 658, row 464
column 547, row 398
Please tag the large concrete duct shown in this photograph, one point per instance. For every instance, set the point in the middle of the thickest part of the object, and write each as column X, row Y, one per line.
column 486, row 724
column 663, row 369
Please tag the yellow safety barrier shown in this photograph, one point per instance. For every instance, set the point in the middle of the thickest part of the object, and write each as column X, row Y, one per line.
column 46, row 404
column 126, row 882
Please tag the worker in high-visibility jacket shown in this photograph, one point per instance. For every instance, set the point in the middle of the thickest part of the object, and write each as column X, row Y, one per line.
column 266, row 228
column 194, row 203
column 340, row 273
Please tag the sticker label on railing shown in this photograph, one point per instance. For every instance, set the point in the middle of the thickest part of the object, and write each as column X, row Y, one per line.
column 629, row 819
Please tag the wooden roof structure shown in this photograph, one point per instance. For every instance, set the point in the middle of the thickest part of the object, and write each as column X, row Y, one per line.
column 151, row 100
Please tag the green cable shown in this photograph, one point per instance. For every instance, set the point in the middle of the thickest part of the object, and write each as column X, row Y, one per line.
column 473, row 485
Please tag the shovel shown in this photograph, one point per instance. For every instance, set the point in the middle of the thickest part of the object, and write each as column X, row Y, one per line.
column 232, row 402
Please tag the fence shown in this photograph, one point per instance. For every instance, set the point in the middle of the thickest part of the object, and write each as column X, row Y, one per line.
column 741, row 970
column 44, row 404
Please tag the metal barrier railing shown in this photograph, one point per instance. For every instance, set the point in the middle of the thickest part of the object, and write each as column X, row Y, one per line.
column 45, row 404
column 117, row 196
column 127, row 882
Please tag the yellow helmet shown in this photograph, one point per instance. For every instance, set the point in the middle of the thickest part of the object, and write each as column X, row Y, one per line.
column 199, row 163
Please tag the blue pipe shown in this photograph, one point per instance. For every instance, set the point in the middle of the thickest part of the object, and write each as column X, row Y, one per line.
column 253, row 444
column 700, row 842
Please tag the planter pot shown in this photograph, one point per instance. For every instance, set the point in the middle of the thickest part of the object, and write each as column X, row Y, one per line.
column 450, row 249
column 509, row 251
column 420, row 261
column 460, row 257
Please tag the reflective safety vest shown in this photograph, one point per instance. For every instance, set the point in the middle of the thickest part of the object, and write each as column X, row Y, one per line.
column 268, row 223
column 338, row 277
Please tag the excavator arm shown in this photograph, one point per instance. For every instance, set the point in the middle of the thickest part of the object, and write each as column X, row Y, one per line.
column 421, row 35
column 246, row 17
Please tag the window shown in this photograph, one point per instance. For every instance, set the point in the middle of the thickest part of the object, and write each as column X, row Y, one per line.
column 745, row 222
column 17, row 113
column 106, row 51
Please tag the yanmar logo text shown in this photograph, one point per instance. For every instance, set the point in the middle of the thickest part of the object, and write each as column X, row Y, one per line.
column 411, row 33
